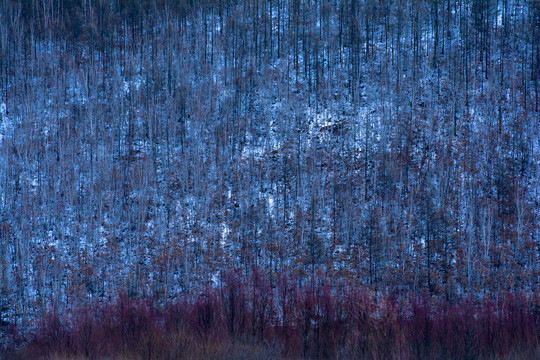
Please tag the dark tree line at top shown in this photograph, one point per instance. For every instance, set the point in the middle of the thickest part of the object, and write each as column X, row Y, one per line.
column 154, row 144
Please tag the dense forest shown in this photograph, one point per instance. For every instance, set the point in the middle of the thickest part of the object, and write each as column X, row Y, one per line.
column 154, row 145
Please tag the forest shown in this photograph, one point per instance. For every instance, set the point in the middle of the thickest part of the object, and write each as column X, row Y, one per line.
column 169, row 157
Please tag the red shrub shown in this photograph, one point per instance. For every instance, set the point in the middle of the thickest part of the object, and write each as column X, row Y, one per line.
column 313, row 321
column 234, row 302
column 206, row 314
column 262, row 300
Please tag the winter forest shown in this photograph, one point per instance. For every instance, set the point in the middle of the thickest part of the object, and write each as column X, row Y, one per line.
column 273, row 177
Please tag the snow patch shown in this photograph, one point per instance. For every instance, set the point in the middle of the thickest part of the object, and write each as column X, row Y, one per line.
column 271, row 206
column 215, row 278
column 225, row 231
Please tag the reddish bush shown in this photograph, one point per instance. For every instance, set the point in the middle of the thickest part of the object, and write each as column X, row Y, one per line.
column 235, row 304
column 358, row 311
column 263, row 309
column 293, row 321
column 206, row 314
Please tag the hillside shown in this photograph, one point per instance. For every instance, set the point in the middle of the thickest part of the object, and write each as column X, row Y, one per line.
column 154, row 145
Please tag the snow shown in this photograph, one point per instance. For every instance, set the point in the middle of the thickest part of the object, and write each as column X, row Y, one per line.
column 215, row 278
column 225, row 231
column 5, row 123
